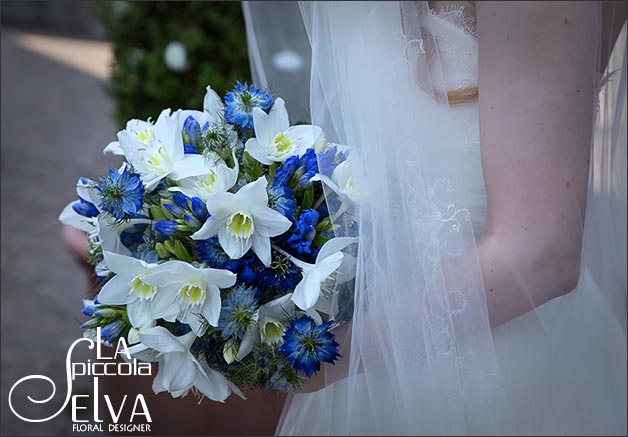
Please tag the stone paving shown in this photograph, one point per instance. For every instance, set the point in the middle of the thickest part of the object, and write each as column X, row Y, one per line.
column 55, row 121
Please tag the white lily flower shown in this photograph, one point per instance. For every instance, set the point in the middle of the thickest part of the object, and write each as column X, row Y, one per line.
column 273, row 317
column 343, row 184
column 329, row 259
column 218, row 178
column 213, row 108
column 243, row 221
column 157, row 151
column 142, row 130
column 85, row 189
column 128, row 286
column 186, row 291
column 179, row 371
column 275, row 140
column 140, row 318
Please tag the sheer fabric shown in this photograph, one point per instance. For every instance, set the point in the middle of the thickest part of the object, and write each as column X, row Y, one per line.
column 419, row 356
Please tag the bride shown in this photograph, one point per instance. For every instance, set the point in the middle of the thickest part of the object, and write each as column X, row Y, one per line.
column 488, row 145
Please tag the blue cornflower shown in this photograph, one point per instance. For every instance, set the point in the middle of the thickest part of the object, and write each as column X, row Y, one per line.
column 306, row 345
column 281, row 199
column 304, row 232
column 122, row 193
column 191, row 135
column 85, row 208
column 241, row 101
column 112, row 331
column 238, row 313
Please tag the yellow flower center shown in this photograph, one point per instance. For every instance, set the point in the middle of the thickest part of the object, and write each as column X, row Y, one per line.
column 193, row 292
column 207, row 183
column 146, row 292
column 158, row 161
column 145, row 135
column 282, row 145
column 240, row 225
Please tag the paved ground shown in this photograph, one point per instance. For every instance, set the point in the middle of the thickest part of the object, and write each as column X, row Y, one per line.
column 55, row 121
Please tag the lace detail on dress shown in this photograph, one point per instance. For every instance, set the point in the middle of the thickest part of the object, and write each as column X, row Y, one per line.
column 457, row 14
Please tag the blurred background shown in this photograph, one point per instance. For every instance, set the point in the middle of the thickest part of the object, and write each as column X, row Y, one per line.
column 72, row 73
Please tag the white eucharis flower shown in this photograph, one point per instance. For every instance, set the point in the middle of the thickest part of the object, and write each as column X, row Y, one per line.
column 342, row 183
column 243, row 221
column 187, row 292
column 156, row 151
column 179, row 371
column 218, row 178
column 275, row 140
column 272, row 319
column 213, row 109
column 142, row 130
column 128, row 288
column 329, row 259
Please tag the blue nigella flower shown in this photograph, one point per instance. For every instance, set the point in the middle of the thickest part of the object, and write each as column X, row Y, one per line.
column 238, row 312
column 85, row 208
column 191, row 135
column 304, row 232
column 241, row 101
column 122, row 193
column 282, row 275
column 207, row 347
column 112, row 331
column 306, row 345
column 281, row 199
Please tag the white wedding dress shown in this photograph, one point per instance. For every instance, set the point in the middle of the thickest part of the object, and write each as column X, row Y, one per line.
column 560, row 369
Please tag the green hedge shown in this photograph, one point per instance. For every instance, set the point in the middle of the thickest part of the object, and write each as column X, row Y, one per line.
column 213, row 34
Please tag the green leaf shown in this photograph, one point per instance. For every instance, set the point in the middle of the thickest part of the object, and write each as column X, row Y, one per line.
column 308, row 198
column 319, row 240
column 272, row 170
column 324, row 226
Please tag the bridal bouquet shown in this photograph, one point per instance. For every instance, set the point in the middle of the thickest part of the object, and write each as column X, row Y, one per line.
column 214, row 246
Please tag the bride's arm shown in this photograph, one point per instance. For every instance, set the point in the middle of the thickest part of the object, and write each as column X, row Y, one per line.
column 536, row 81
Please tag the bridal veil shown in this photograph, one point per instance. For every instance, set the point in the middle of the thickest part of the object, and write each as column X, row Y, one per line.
column 419, row 354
